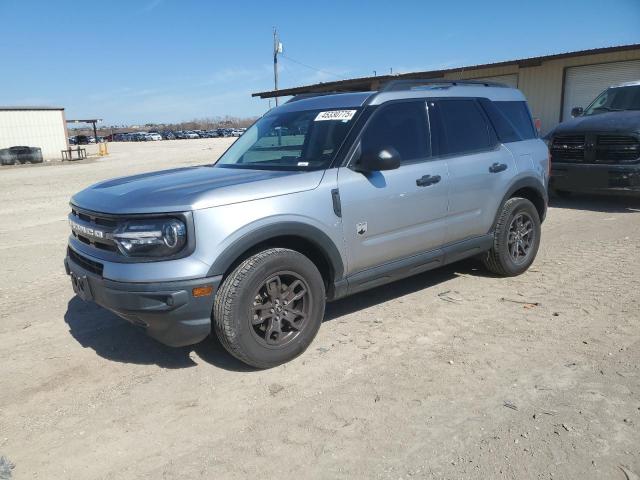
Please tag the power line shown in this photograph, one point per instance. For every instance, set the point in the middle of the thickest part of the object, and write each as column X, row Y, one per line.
column 310, row 67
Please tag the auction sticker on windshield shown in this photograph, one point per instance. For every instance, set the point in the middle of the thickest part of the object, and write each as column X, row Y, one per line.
column 341, row 115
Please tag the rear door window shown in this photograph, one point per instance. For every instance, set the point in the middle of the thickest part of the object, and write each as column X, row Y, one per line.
column 463, row 127
column 401, row 125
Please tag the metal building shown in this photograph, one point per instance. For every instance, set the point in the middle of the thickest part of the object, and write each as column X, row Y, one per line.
column 43, row 127
column 553, row 84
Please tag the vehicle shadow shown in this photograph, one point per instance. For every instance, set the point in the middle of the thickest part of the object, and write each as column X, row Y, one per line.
column 118, row 340
column 597, row 203
column 401, row 288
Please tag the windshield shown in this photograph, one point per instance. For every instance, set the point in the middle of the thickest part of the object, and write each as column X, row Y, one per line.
column 302, row 140
column 616, row 99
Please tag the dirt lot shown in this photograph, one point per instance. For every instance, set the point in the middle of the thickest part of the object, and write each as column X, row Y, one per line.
column 452, row 374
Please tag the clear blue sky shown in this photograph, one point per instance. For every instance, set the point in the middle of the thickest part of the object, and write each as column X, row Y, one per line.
column 170, row 60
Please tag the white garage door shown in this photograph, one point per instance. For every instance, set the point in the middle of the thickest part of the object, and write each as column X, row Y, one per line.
column 583, row 84
column 509, row 80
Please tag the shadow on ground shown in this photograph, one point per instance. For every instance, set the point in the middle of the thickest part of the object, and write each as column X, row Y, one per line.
column 117, row 340
column 597, row 203
column 401, row 288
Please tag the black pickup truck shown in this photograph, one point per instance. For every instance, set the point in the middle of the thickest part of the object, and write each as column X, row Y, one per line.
column 598, row 151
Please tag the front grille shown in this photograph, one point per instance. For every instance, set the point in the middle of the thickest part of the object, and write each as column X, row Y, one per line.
column 568, row 148
column 617, row 149
column 94, row 220
column 89, row 265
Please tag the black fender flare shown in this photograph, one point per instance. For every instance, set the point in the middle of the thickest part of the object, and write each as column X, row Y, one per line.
column 262, row 234
column 525, row 182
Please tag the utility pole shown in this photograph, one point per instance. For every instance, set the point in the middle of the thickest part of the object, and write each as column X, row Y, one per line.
column 277, row 48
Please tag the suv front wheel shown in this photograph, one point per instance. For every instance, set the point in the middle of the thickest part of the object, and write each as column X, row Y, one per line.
column 516, row 238
column 270, row 307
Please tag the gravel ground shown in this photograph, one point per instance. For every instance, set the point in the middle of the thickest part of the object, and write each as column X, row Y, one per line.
column 451, row 374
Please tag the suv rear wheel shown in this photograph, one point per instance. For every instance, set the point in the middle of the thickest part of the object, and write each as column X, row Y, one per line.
column 515, row 240
column 269, row 309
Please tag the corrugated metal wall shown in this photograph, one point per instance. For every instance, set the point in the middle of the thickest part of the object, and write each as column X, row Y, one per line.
column 543, row 84
column 34, row 128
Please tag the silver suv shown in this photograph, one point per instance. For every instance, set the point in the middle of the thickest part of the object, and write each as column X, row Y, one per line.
column 321, row 198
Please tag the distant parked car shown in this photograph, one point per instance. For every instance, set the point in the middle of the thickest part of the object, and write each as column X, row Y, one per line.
column 168, row 135
column 143, row 137
column 13, row 155
column 155, row 136
column 83, row 140
column 191, row 135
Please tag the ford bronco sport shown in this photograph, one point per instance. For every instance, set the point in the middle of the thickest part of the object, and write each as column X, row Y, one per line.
column 321, row 198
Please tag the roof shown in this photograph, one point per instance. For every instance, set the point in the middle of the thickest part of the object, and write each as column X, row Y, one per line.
column 634, row 83
column 28, row 108
column 495, row 92
column 364, row 83
column 492, row 92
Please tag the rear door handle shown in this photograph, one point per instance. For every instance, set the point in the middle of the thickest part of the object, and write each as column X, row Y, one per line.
column 497, row 167
column 427, row 180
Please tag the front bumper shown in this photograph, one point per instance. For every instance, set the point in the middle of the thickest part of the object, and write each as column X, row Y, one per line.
column 591, row 178
column 167, row 311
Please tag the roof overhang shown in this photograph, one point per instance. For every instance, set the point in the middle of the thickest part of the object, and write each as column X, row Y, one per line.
column 27, row 108
column 367, row 83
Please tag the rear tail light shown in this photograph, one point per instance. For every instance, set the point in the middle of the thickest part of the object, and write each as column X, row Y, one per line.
column 538, row 124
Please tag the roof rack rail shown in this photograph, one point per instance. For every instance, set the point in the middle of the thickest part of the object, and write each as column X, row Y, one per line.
column 397, row 85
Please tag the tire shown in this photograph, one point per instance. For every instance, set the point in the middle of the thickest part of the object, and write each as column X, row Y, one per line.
column 501, row 260
column 246, row 296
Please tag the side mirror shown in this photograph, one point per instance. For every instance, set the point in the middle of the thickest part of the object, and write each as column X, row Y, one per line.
column 577, row 111
column 387, row 158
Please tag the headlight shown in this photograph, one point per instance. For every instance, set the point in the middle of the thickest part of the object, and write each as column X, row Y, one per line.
column 151, row 238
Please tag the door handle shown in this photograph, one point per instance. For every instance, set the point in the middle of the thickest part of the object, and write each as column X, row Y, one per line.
column 497, row 167
column 427, row 180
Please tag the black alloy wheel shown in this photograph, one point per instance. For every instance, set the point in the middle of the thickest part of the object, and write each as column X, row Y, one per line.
column 281, row 309
column 521, row 238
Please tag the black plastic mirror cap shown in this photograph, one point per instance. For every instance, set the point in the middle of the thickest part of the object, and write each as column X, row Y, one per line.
column 387, row 158
column 577, row 111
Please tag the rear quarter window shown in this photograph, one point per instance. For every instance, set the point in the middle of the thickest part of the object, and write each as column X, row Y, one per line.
column 511, row 119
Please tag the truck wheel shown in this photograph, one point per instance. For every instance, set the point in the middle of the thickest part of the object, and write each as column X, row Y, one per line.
column 515, row 240
column 269, row 309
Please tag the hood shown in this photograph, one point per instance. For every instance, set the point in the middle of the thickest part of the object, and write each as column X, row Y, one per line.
column 191, row 188
column 615, row 122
